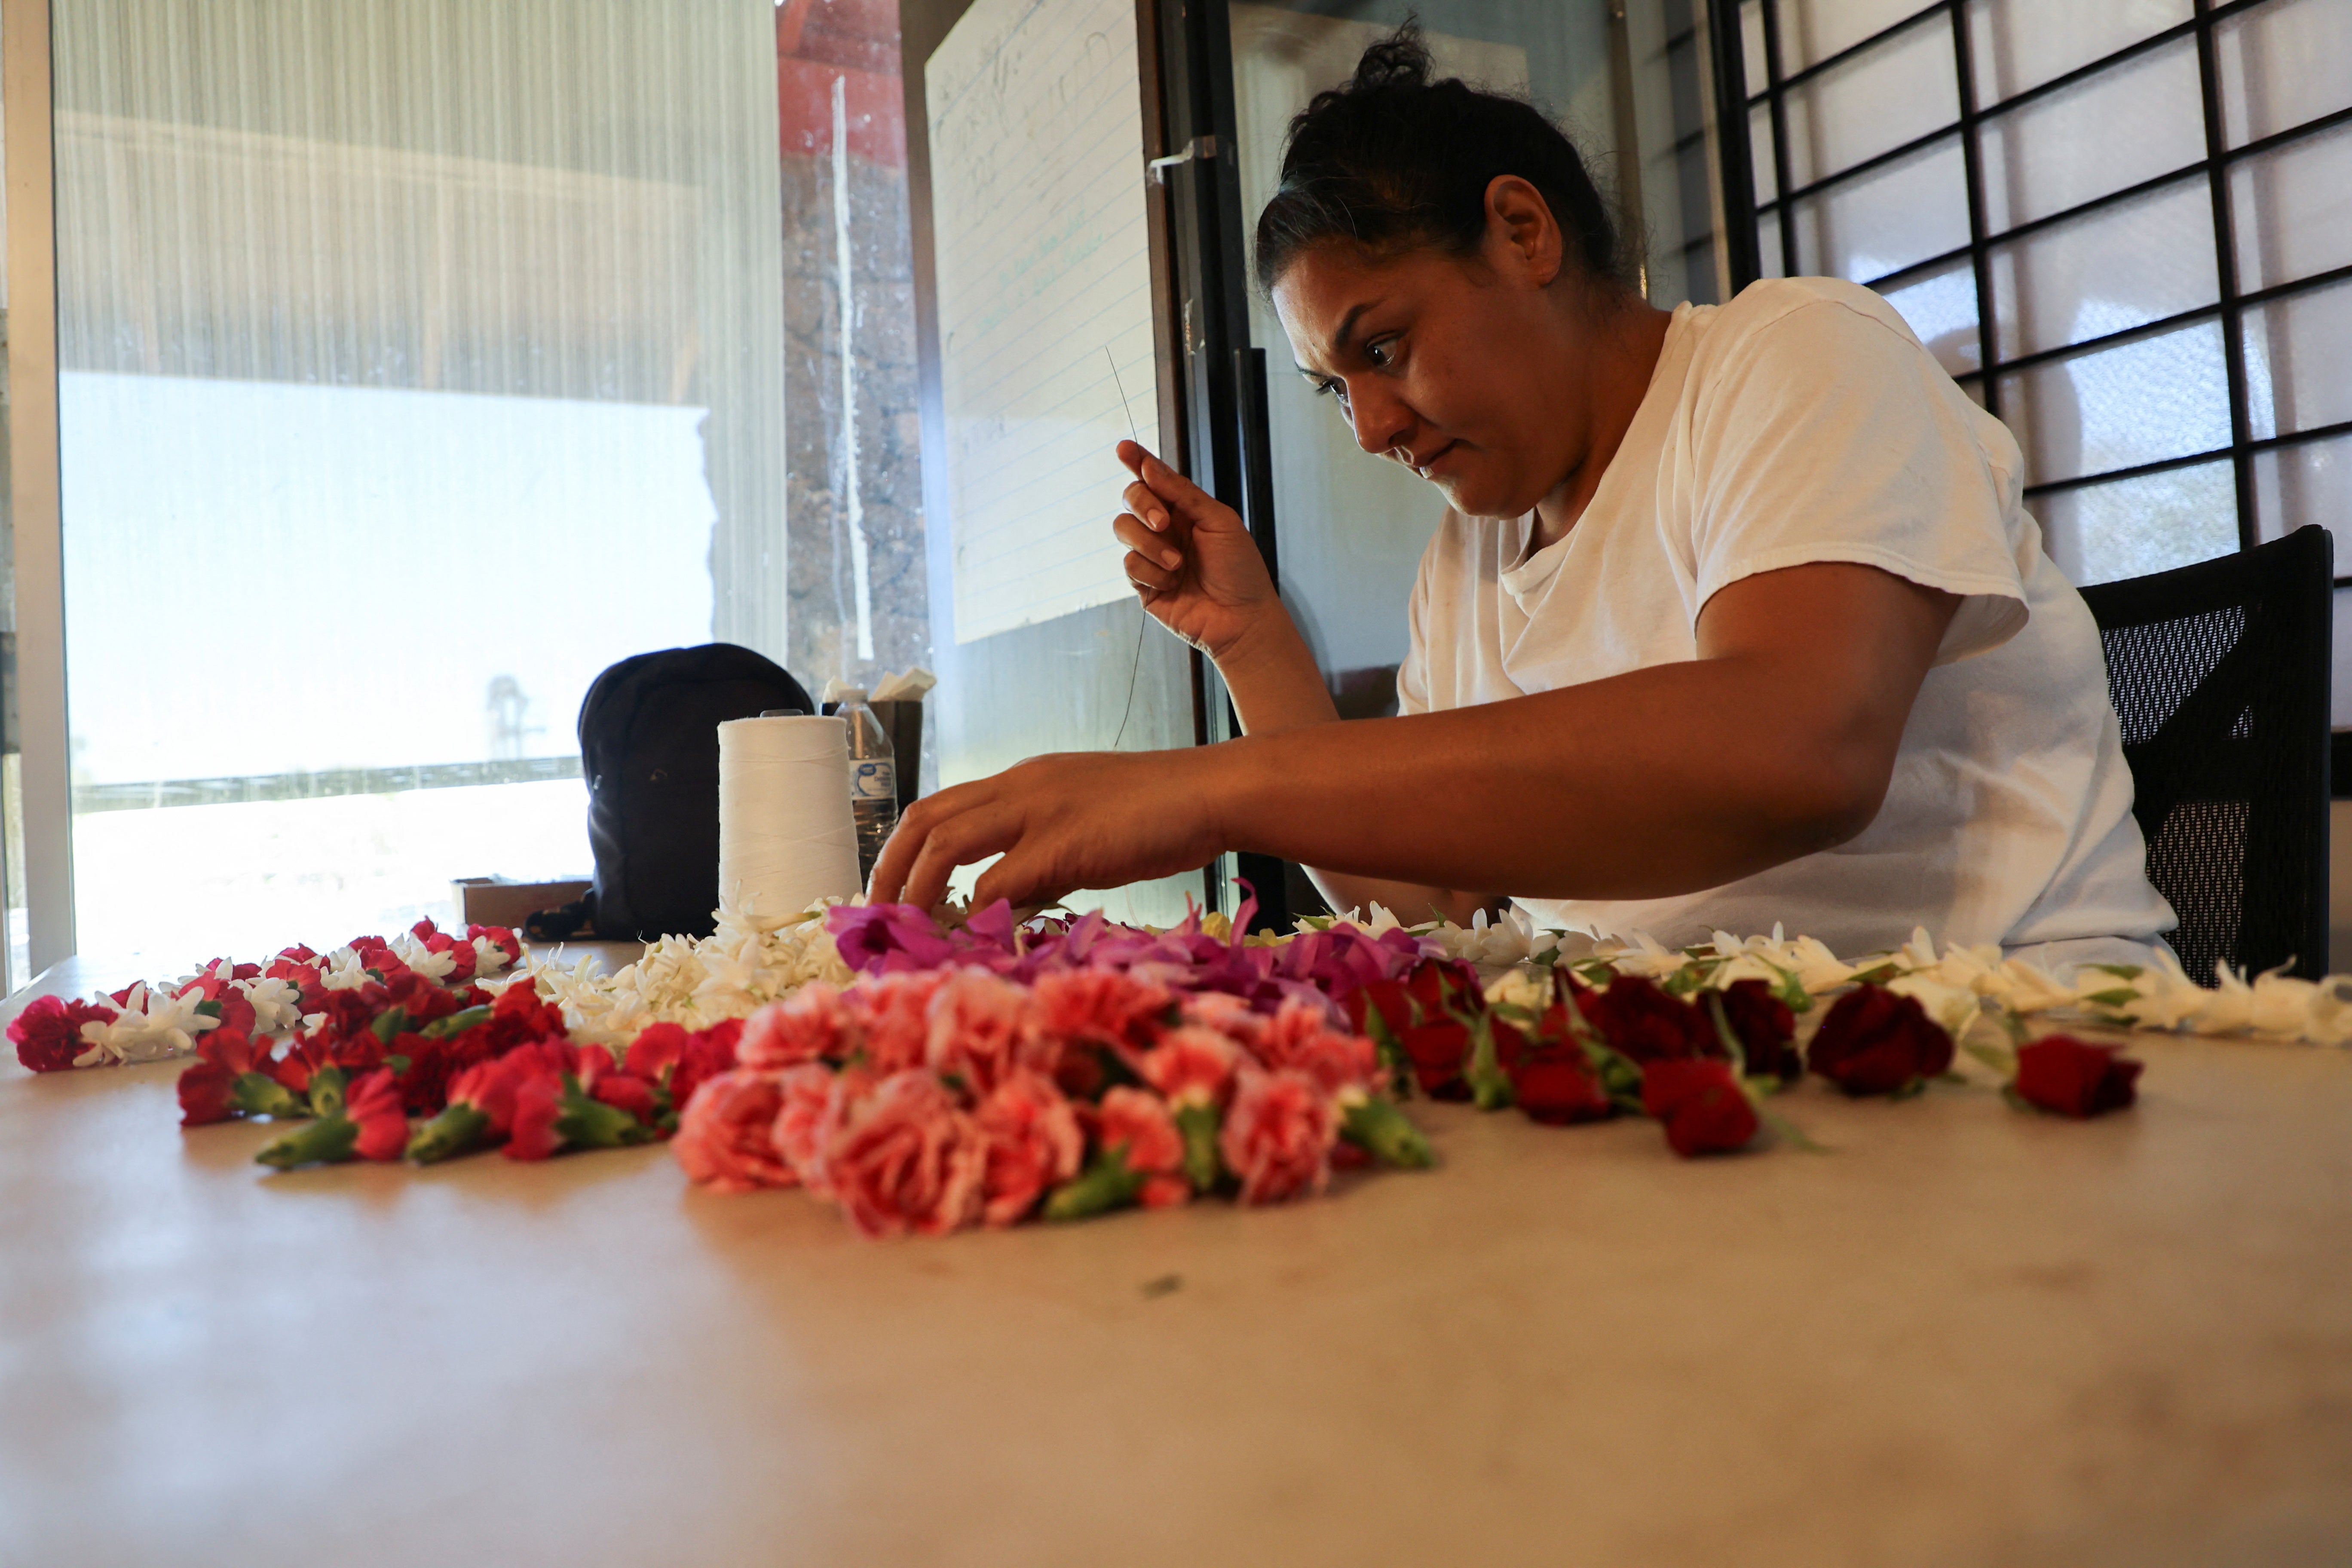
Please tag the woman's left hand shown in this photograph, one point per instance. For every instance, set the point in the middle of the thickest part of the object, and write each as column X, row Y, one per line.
column 1080, row 819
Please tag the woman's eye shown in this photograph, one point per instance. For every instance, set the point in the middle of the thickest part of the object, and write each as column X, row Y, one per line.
column 1380, row 354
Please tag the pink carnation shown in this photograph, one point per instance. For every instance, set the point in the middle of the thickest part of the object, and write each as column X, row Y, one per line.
column 1227, row 1015
column 814, row 1102
column 726, row 1136
column 1033, row 1143
column 897, row 1014
column 1277, row 1136
column 908, row 1160
column 1138, row 1123
column 1192, row 1065
column 978, row 1027
column 1300, row 1037
column 816, row 1023
column 1099, row 1007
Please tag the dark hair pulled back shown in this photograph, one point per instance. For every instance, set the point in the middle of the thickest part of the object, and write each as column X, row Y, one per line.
column 1393, row 160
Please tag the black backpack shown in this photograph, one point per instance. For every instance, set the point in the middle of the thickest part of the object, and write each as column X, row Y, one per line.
column 650, row 753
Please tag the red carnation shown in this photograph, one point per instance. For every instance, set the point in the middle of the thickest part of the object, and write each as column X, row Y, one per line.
column 375, row 1105
column 47, row 1032
column 1877, row 1042
column 1644, row 1025
column 2075, row 1077
column 1700, row 1103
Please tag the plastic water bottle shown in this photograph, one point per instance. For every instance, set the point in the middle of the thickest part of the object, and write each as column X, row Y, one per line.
column 872, row 779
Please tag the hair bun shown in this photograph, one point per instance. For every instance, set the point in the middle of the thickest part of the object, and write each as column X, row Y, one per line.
column 1399, row 60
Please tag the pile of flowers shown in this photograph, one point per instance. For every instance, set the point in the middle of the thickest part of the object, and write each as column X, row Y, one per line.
column 926, row 1077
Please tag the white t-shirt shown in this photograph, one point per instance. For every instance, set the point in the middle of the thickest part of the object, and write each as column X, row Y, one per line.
column 1804, row 422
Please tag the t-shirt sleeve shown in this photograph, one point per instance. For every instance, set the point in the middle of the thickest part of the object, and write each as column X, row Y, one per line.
column 1829, row 434
column 1413, row 675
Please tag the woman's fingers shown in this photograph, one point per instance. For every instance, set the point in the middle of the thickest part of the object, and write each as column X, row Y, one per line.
column 968, row 835
column 1131, row 531
column 1148, row 508
column 1156, row 479
column 888, row 880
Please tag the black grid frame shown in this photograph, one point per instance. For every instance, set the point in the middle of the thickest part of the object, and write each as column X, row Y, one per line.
column 1734, row 104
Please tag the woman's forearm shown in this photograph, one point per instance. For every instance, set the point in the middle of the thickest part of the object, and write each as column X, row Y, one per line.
column 1657, row 782
column 1273, row 678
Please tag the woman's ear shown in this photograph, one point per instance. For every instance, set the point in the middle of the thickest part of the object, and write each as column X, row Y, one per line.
column 1522, row 235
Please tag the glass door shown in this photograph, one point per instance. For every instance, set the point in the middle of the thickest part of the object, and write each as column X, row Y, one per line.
column 1625, row 83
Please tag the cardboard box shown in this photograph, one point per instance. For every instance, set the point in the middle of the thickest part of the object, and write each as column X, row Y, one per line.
column 499, row 902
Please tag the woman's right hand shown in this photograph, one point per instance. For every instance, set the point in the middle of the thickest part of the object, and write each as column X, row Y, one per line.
column 1190, row 557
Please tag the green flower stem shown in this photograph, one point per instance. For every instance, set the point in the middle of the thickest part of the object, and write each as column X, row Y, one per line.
column 1102, row 1186
column 1490, row 1086
column 586, row 1123
column 326, row 1092
column 326, row 1141
column 1381, row 1130
column 1199, row 1122
column 259, row 1094
column 459, row 1129
column 455, row 1024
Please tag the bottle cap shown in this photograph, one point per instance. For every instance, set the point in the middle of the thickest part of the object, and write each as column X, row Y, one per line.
column 850, row 694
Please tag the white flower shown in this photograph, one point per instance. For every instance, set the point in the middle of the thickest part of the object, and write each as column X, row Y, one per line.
column 434, row 966
column 2023, row 987
column 276, row 1004
column 2328, row 1020
column 489, row 958
column 2281, row 1003
column 150, row 1027
column 343, row 970
column 1521, row 987
column 1956, row 1007
column 2163, row 997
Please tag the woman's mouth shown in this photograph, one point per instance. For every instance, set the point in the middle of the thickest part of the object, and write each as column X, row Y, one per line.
column 1427, row 467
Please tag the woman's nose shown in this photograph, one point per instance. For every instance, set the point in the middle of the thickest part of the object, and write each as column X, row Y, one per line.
column 1382, row 421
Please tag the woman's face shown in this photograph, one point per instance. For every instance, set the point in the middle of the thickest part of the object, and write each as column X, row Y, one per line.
column 1473, row 371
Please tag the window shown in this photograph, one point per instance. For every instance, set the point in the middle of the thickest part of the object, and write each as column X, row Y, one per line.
column 416, row 360
column 2125, row 226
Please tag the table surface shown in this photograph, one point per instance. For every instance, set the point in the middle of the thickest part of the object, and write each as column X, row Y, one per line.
column 1962, row 1336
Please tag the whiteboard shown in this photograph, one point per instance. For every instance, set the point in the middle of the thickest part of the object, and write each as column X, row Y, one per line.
column 1043, row 263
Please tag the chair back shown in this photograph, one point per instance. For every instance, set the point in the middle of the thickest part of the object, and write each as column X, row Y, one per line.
column 2219, row 673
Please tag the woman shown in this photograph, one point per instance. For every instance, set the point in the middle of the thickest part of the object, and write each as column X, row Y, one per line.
column 1734, row 618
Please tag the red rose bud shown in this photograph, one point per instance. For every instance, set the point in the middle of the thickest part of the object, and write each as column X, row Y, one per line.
column 2075, row 1077
column 1765, row 1027
column 1557, row 1084
column 47, row 1032
column 1639, row 1021
column 1701, row 1105
column 1877, row 1042
column 1413, row 1022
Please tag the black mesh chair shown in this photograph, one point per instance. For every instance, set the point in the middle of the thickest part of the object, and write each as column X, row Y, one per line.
column 2219, row 672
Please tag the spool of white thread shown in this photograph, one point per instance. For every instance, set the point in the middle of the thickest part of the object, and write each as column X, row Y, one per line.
column 785, row 837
